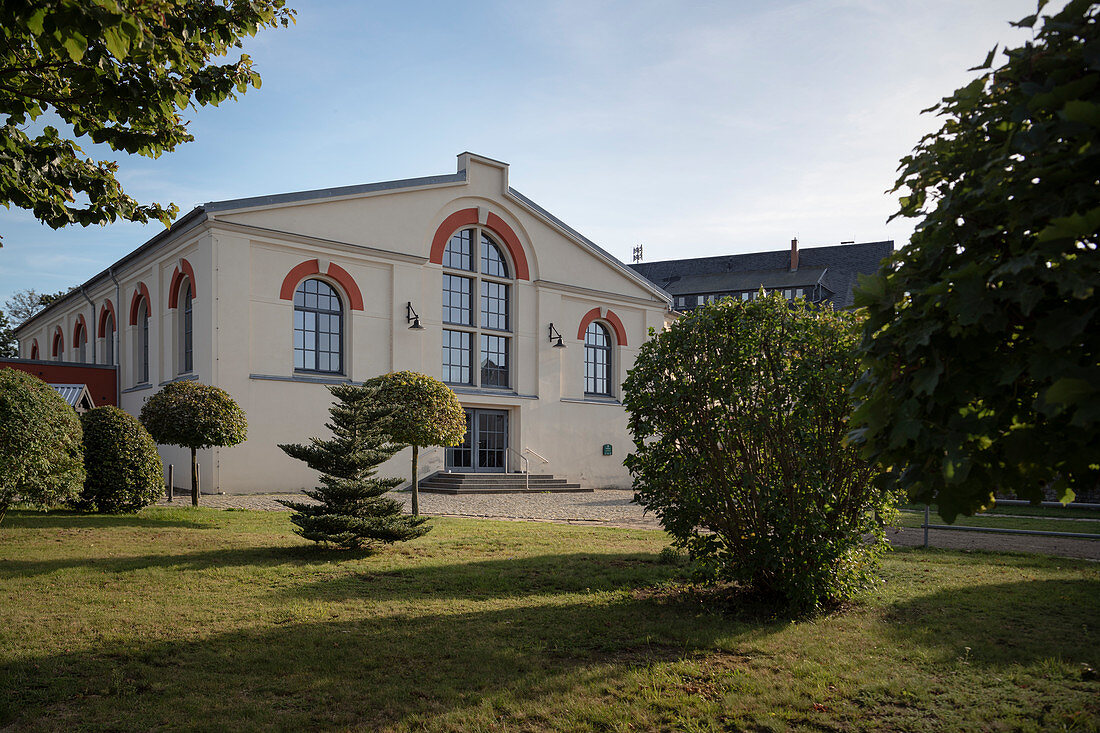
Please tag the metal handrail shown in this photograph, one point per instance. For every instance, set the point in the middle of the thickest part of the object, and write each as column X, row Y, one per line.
column 536, row 455
column 526, row 468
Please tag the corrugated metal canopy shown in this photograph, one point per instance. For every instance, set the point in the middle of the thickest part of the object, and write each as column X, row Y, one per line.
column 72, row 393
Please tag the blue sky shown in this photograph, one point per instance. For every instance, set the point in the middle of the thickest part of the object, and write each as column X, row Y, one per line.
column 693, row 128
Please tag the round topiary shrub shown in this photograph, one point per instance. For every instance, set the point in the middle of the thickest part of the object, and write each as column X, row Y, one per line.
column 41, row 456
column 122, row 463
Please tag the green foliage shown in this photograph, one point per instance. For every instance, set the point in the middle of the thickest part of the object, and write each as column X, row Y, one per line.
column 194, row 415
column 124, row 471
column 41, row 458
column 425, row 411
column 119, row 72
column 982, row 341
column 7, row 338
column 353, row 511
column 738, row 413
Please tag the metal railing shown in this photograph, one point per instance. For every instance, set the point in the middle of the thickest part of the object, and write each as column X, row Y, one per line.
column 526, row 467
column 927, row 525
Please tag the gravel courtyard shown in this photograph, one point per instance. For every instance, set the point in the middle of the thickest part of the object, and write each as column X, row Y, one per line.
column 614, row 508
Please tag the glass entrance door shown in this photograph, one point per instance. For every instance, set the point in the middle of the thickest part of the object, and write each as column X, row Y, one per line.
column 484, row 448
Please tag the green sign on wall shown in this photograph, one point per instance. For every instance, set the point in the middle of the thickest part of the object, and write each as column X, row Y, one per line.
column 607, row 449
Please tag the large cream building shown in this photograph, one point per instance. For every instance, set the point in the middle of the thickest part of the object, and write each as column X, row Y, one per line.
column 274, row 297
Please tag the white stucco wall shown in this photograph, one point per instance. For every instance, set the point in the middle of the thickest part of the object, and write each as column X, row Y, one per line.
column 243, row 337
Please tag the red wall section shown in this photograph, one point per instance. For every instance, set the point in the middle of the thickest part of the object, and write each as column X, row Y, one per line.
column 100, row 379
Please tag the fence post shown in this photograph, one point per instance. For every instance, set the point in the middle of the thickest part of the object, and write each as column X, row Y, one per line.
column 926, row 518
column 171, row 480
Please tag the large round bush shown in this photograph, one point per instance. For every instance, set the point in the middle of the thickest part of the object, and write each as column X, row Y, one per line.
column 41, row 457
column 124, row 472
column 739, row 415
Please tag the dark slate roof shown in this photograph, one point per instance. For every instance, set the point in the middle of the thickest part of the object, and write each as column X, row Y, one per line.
column 835, row 267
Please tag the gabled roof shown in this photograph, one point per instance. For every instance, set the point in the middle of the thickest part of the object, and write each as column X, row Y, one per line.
column 836, row 267
column 74, row 394
column 200, row 214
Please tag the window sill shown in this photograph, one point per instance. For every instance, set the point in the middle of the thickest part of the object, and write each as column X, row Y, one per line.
column 305, row 377
column 138, row 387
column 593, row 400
column 186, row 377
column 489, row 392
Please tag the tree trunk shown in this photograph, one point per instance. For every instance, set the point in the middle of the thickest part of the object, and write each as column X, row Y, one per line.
column 194, row 479
column 415, row 486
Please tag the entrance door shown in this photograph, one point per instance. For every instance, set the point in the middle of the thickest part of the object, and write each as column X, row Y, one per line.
column 485, row 445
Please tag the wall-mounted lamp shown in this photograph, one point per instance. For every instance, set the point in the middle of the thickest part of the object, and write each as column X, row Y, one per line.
column 556, row 337
column 413, row 318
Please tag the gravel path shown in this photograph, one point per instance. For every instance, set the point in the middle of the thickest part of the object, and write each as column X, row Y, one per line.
column 613, row 508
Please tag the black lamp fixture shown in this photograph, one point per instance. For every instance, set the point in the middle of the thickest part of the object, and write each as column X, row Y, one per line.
column 556, row 338
column 413, row 318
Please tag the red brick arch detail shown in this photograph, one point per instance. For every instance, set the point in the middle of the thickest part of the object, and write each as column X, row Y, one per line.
column 80, row 324
column 468, row 217
column 141, row 291
column 612, row 320
column 58, row 340
column 177, row 281
column 101, row 327
column 313, row 267
column 34, row 348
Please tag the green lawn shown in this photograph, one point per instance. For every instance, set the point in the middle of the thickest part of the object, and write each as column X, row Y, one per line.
column 1041, row 523
column 195, row 618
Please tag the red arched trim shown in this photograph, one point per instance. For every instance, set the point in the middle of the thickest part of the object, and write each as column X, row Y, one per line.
column 34, row 349
column 511, row 241
column 588, row 318
column 58, row 341
column 468, row 217
column 295, row 276
column 80, row 324
column 107, row 308
column 347, row 282
column 312, row 267
column 452, row 223
column 177, row 281
column 140, row 292
column 609, row 316
column 617, row 325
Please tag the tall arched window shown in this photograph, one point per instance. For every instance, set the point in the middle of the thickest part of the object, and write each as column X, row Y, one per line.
column 58, row 346
column 80, row 343
column 34, row 349
column 186, row 340
column 109, row 338
column 142, row 370
column 318, row 328
column 476, row 310
column 597, row 360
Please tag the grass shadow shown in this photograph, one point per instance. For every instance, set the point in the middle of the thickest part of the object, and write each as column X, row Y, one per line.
column 67, row 519
column 994, row 624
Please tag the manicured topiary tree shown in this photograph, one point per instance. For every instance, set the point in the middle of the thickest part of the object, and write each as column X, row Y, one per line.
column 352, row 510
column 425, row 412
column 124, row 471
column 739, row 414
column 41, row 457
column 194, row 415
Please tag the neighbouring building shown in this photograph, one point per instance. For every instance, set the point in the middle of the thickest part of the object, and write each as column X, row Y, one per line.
column 458, row 276
column 820, row 274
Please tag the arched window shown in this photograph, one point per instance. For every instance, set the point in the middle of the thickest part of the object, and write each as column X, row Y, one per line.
column 109, row 338
column 58, row 346
column 34, row 349
column 80, row 343
column 142, row 366
column 186, row 340
column 476, row 310
column 597, row 360
column 318, row 328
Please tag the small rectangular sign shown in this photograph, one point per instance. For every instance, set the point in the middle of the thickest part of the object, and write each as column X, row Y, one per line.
column 607, row 449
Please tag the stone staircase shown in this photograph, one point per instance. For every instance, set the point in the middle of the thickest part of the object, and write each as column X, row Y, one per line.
column 496, row 483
